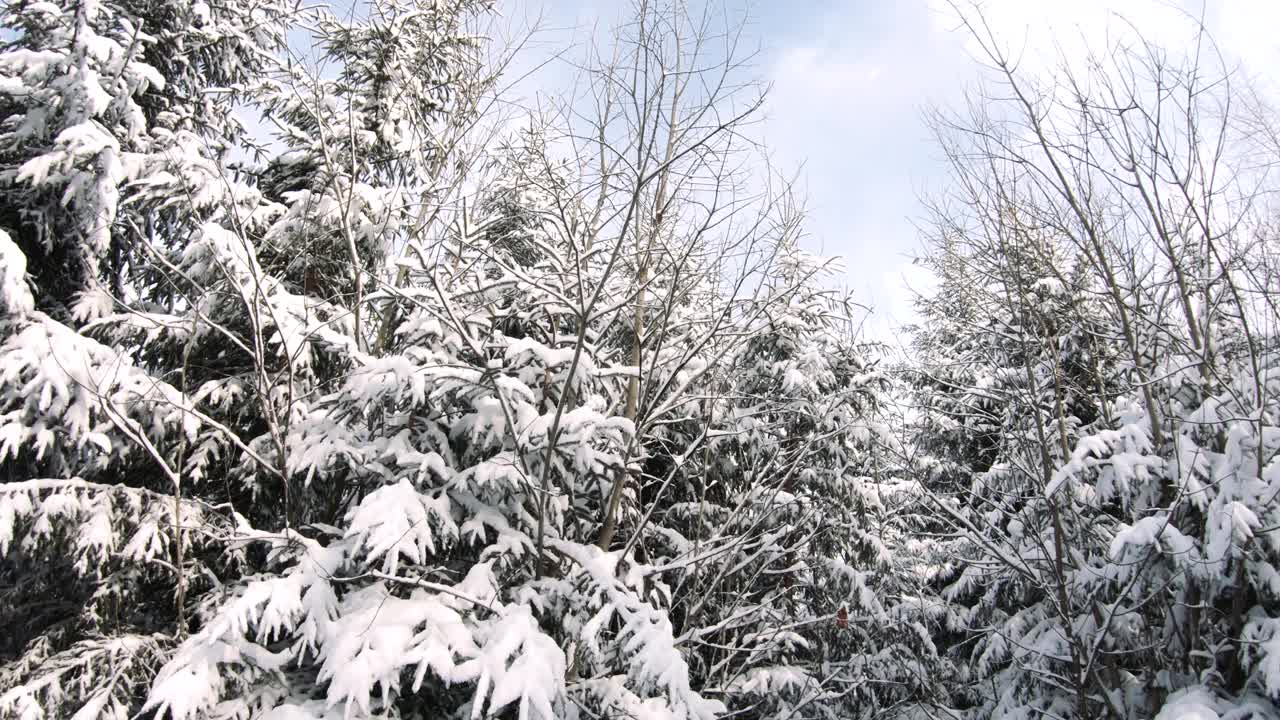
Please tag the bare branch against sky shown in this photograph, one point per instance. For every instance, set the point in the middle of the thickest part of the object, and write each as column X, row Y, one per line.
column 851, row 79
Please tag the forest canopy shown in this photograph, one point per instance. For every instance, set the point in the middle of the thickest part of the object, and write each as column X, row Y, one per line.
column 343, row 386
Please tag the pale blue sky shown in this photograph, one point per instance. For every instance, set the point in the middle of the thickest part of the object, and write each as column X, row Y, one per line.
column 851, row 79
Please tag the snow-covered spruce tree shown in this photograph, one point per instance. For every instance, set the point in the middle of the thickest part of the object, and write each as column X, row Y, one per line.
column 1118, row 559
column 199, row 347
column 810, row 602
column 367, row 149
column 93, row 93
column 955, row 425
column 1003, row 387
column 95, row 433
column 107, row 156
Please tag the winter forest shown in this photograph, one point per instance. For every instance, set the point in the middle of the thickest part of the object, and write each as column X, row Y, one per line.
column 335, row 383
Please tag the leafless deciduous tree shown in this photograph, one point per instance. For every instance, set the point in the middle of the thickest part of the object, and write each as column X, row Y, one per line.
column 1111, row 218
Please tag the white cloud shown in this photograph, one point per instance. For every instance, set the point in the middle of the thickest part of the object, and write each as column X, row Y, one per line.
column 1247, row 31
column 1039, row 31
column 851, row 77
column 847, row 103
column 848, row 97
